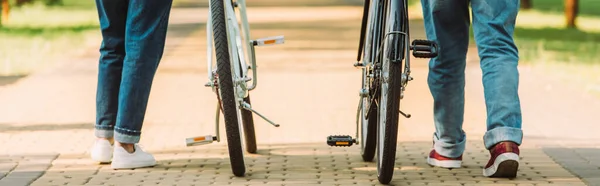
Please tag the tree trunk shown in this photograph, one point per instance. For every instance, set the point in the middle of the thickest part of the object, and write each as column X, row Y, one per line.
column 22, row 2
column 526, row 4
column 5, row 10
column 571, row 11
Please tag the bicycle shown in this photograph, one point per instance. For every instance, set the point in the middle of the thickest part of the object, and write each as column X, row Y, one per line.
column 229, row 78
column 384, row 43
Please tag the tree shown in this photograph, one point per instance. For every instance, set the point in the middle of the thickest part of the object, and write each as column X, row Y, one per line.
column 526, row 4
column 571, row 11
column 19, row 3
column 54, row 2
column 5, row 10
column 47, row 2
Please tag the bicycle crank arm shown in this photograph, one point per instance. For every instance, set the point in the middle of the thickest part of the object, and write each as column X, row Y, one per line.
column 252, row 52
column 249, row 108
column 363, row 93
column 218, row 113
column 208, row 139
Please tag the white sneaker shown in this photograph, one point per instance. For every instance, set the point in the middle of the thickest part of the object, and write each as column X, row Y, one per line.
column 138, row 159
column 102, row 151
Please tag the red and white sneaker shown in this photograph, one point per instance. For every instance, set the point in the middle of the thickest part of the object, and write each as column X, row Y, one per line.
column 504, row 161
column 437, row 160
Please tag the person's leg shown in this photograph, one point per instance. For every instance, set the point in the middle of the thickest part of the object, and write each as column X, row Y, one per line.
column 447, row 23
column 145, row 40
column 112, row 16
column 493, row 25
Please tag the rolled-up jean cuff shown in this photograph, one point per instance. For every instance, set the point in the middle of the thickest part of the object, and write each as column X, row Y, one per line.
column 103, row 133
column 124, row 138
column 501, row 134
column 447, row 149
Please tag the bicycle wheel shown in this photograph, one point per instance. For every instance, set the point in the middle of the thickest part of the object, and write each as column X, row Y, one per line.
column 391, row 88
column 226, row 88
column 369, row 128
column 387, row 128
column 248, row 123
column 249, row 133
column 371, row 22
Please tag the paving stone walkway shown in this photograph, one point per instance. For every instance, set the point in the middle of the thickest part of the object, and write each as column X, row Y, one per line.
column 309, row 86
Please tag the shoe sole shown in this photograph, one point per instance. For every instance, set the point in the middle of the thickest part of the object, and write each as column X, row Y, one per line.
column 102, row 159
column 449, row 164
column 117, row 165
column 505, row 166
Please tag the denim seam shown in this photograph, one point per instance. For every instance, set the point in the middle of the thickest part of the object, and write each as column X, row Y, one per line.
column 104, row 127
column 500, row 134
column 447, row 149
column 98, row 125
column 126, row 138
column 126, row 129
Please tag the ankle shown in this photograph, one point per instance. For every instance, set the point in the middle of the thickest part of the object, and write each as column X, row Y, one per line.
column 129, row 147
column 111, row 140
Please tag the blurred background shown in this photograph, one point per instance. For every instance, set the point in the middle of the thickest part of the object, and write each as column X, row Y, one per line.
column 48, row 70
column 36, row 33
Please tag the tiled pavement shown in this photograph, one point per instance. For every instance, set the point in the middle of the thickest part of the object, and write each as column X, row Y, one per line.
column 308, row 86
column 301, row 164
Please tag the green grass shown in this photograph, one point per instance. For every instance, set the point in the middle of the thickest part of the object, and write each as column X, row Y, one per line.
column 558, row 45
column 541, row 34
column 571, row 55
column 548, row 42
column 37, row 36
column 586, row 7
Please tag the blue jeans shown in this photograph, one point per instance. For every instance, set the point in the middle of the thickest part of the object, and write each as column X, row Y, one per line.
column 134, row 34
column 447, row 23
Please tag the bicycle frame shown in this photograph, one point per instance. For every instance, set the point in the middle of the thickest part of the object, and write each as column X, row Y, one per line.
column 395, row 35
column 384, row 46
column 235, row 36
column 391, row 32
column 238, row 56
column 239, row 67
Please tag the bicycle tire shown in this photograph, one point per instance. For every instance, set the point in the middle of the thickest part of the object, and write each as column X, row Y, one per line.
column 391, row 89
column 369, row 125
column 370, row 38
column 369, row 128
column 248, row 124
column 226, row 88
column 387, row 154
column 249, row 132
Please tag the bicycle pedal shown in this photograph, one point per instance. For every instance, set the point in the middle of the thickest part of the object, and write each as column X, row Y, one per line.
column 424, row 48
column 340, row 141
column 200, row 140
column 269, row 41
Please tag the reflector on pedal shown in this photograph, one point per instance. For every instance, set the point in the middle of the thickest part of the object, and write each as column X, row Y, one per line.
column 269, row 41
column 200, row 140
column 340, row 141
